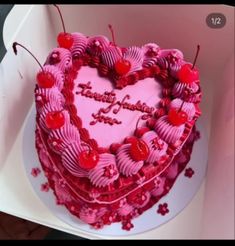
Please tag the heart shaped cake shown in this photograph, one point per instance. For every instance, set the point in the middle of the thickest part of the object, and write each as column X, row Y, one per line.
column 115, row 126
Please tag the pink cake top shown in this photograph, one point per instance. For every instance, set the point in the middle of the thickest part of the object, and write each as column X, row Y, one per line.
column 99, row 106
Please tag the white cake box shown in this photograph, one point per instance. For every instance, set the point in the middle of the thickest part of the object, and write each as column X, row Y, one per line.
column 170, row 26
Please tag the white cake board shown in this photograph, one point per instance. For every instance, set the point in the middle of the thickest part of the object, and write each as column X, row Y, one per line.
column 178, row 198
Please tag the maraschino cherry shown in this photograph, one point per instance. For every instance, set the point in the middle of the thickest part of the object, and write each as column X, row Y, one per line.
column 188, row 73
column 177, row 117
column 88, row 159
column 139, row 150
column 54, row 120
column 64, row 39
column 122, row 66
column 44, row 79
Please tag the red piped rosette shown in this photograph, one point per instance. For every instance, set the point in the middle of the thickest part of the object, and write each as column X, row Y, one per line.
column 80, row 189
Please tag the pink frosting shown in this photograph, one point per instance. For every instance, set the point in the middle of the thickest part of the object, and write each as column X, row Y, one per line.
column 125, row 209
column 62, row 192
column 105, row 171
column 49, row 108
column 167, row 131
column 188, row 107
column 96, row 45
column 180, row 88
column 126, row 165
column 181, row 157
column 172, row 58
column 177, row 54
column 162, row 62
column 79, row 44
column 172, row 171
column 90, row 215
column 111, row 55
column 43, row 155
column 58, row 75
column 52, row 95
column 61, row 138
column 135, row 56
column 156, row 146
column 145, row 198
column 159, row 186
column 70, row 159
column 65, row 58
column 194, row 98
column 174, row 69
column 150, row 51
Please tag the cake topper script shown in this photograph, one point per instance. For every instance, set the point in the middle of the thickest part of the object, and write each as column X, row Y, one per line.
column 114, row 106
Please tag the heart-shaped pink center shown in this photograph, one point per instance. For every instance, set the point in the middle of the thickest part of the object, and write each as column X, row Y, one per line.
column 110, row 114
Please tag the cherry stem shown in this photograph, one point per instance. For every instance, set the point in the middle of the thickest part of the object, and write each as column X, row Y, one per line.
column 61, row 17
column 113, row 38
column 142, row 117
column 181, row 106
column 22, row 46
column 195, row 59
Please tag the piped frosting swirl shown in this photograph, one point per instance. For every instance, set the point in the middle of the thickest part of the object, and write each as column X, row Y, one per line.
column 126, row 165
column 63, row 60
column 156, row 146
column 70, row 159
column 79, row 44
column 61, row 138
column 105, row 172
column 187, row 107
column 168, row 132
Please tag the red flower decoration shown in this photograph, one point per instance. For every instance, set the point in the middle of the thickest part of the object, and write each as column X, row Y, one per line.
column 45, row 187
column 98, row 225
column 110, row 171
column 127, row 225
column 189, row 172
column 163, row 209
column 35, row 171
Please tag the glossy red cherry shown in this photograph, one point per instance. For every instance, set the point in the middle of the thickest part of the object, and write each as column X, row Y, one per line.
column 65, row 40
column 88, row 159
column 54, row 120
column 45, row 79
column 139, row 150
column 122, row 66
column 177, row 117
column 188, row 75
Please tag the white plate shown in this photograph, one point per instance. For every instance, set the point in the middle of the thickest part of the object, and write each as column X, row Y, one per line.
column 176, row 199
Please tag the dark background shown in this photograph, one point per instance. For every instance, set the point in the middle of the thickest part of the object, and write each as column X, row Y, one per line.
column 4, row 10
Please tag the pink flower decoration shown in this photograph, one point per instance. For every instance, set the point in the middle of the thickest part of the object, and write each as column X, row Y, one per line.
column 45, row 187
column 163, row 209
column 189, row 172
column 35, row 171
column 127, row 225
